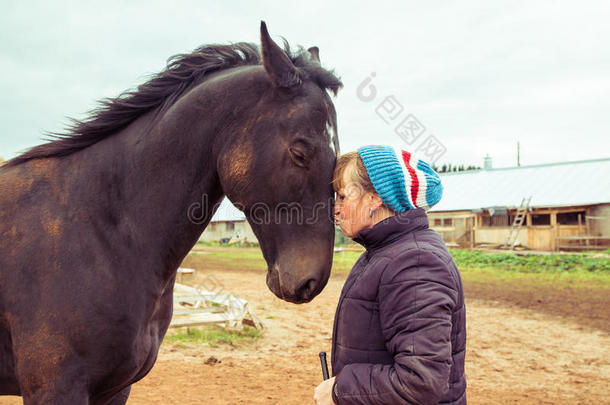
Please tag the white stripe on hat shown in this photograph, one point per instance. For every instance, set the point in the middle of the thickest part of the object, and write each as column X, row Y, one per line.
column 423, row 186
column 421, row 201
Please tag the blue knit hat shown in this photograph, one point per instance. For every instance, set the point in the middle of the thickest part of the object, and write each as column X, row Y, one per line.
column 402, row 181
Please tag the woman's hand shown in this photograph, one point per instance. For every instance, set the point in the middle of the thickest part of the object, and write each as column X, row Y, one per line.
column 322, row 395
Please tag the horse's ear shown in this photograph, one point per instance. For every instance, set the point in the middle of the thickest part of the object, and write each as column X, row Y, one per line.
column 314, row 51
column 277, row 64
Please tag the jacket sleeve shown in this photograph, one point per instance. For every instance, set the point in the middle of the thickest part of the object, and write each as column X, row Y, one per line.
column 416, row 300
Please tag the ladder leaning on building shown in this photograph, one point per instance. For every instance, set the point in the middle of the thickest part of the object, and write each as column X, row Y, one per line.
column 517, row 223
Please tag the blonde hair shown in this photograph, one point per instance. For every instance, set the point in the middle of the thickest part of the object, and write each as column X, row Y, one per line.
column 357, row 175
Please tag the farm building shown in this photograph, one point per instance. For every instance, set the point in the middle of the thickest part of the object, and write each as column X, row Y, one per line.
column 568, row 206
column 228, row 224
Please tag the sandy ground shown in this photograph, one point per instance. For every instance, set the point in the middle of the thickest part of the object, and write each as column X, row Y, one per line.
column 515, row 355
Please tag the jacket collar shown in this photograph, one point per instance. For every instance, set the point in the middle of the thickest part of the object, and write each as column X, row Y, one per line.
column 387, row 231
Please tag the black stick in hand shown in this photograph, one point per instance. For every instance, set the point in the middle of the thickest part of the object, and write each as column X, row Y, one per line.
column 324, row 365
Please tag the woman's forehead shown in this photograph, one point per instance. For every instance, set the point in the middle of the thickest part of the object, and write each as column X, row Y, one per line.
column 347, row 178
column 348, row 174
column 351, row 189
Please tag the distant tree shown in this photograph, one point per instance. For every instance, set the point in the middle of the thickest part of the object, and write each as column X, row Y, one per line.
column 451, row 168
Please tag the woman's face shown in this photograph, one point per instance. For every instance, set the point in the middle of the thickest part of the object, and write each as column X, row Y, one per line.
column 352, row 205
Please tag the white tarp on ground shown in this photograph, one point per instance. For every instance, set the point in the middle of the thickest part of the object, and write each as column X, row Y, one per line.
column 198, row 306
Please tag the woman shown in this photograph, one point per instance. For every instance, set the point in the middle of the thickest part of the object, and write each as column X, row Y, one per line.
column 400, row 329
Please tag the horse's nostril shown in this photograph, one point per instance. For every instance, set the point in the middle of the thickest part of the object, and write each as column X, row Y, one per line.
column 306, row 289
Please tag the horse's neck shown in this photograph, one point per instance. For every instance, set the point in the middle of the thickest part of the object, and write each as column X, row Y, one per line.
column 161, row 183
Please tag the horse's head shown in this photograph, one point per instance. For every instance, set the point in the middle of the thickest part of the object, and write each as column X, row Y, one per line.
column 278, row 167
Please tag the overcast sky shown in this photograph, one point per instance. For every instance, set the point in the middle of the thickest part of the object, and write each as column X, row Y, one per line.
column 478, row 76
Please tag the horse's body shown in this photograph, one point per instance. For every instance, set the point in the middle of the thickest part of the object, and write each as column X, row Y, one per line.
column 95, row 224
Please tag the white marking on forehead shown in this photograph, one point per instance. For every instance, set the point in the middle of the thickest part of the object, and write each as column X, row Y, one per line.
column 332, row 134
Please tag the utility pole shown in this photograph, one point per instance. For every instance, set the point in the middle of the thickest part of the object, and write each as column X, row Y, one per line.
column 518, row 154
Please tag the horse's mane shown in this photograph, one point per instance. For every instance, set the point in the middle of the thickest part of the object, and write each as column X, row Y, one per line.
column 162, row 90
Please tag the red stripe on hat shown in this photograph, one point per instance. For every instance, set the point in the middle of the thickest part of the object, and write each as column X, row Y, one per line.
column 406, row 157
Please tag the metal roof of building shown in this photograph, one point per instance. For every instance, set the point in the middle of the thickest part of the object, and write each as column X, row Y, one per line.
column 550, row 185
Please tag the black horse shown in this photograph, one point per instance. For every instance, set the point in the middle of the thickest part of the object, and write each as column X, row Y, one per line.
column 95, row 223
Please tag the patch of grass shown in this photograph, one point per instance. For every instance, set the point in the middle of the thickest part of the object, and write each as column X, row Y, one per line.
column 237, row 254
column 270, row 317
column 581, row 264
column 240, row 260
column 214, row 335
column 597, row 252
column 202, row 243
column 237, row 260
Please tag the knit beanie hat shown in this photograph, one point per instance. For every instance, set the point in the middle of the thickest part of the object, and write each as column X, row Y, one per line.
column 402, row 181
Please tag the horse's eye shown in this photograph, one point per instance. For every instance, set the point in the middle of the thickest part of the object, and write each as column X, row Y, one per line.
column 298, row 157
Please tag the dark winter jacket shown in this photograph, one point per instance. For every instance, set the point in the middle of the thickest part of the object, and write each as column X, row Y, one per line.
column 400, row 328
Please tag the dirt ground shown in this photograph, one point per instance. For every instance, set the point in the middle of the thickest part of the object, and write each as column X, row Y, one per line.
column 584, row 306
column 515, row 355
